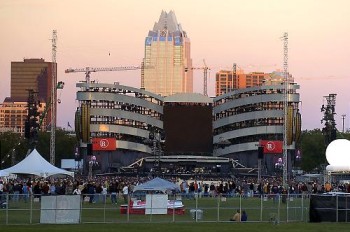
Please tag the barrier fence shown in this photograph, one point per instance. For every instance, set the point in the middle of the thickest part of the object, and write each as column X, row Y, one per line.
column 97, row 208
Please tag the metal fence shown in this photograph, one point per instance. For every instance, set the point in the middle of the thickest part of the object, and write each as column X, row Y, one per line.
column 97, row 208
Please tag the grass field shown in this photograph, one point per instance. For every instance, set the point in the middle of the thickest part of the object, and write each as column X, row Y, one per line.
column 216, row 212
column 183, row 227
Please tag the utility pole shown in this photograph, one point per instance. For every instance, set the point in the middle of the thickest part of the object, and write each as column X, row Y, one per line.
column 53, row 99
column 285, row 108
column 343, row 119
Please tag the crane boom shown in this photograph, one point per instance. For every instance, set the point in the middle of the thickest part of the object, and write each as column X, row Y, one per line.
column 89, row 70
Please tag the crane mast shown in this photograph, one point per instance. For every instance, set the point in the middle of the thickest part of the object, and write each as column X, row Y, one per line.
column 285, row 108
column 205, row 77
column 205, row 69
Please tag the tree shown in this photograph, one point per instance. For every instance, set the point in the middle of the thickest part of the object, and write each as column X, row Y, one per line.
column 313, row 150
column 12, row 144
column 65, row 147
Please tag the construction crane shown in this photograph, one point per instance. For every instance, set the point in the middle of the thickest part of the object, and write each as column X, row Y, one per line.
column 205, row 69
column 89, row 70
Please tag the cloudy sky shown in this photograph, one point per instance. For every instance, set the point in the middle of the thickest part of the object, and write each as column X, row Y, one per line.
column 110, row 33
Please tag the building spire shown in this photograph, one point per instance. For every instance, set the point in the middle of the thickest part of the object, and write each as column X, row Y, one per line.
column 168, row 22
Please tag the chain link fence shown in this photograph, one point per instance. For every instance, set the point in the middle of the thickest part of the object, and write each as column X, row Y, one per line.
column 98, row 208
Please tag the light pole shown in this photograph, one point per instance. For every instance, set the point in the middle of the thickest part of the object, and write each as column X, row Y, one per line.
column 260, row 158
column 285, row 109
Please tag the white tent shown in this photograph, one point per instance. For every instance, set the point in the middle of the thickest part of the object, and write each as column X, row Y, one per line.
column 35, row 164
column 3, row 173
column 157, row 184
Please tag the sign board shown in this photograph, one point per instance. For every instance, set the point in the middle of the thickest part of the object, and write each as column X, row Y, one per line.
column 156, row 204
column 104, row 144
column 272, row 146
column 62, row 209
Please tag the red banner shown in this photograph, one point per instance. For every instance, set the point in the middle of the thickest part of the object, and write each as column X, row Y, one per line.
column 272, row 146
column 104, row 144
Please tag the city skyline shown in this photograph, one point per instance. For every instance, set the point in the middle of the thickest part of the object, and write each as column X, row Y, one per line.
column 112, row 33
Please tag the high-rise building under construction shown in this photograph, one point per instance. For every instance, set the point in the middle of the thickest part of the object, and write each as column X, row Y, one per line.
column 167, row 59
column 227, row 81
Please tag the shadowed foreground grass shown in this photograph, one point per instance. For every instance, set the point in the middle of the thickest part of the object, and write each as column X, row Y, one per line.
column 183, row 227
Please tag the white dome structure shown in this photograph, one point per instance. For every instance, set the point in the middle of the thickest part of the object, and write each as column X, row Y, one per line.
column 338, row 156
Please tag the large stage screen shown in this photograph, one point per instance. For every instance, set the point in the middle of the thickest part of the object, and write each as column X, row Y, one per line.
column 188, row 129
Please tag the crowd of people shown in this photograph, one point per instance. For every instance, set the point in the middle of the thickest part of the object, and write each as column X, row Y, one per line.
column 117, row 187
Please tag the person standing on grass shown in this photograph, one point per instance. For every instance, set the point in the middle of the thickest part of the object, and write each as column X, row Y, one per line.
column 77, row 191
column 91, row 192
column 1, row 189
column 125, row 192
column 104, row 193
column 113, row 189
column 27, row 191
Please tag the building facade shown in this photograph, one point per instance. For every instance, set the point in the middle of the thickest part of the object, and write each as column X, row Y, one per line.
column 29, row 74
column 35, row 74
column 243, row 118
column 13, row 115
column 167, row 59
column 123, row 115
column 122, row 122
column 227, row 81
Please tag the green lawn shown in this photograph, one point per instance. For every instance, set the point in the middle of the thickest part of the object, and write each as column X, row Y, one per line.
column 216, row 213
column 184, row 227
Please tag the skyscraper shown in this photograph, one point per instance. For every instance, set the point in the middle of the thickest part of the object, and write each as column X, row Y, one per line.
column 167, row 60
column 29, row 74
column 33, row 74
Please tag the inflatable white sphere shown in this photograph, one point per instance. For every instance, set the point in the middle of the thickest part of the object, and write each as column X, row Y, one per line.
column 338, row 152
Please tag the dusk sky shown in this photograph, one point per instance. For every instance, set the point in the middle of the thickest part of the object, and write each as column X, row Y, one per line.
column 110, row 33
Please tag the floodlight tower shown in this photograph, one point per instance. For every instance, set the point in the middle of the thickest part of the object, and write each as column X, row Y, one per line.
column 53, row 99
column 285, row 108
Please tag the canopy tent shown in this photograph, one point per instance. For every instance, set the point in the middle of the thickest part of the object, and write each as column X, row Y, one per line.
column 157, row 184
column 4, row 173
column 35, row 164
